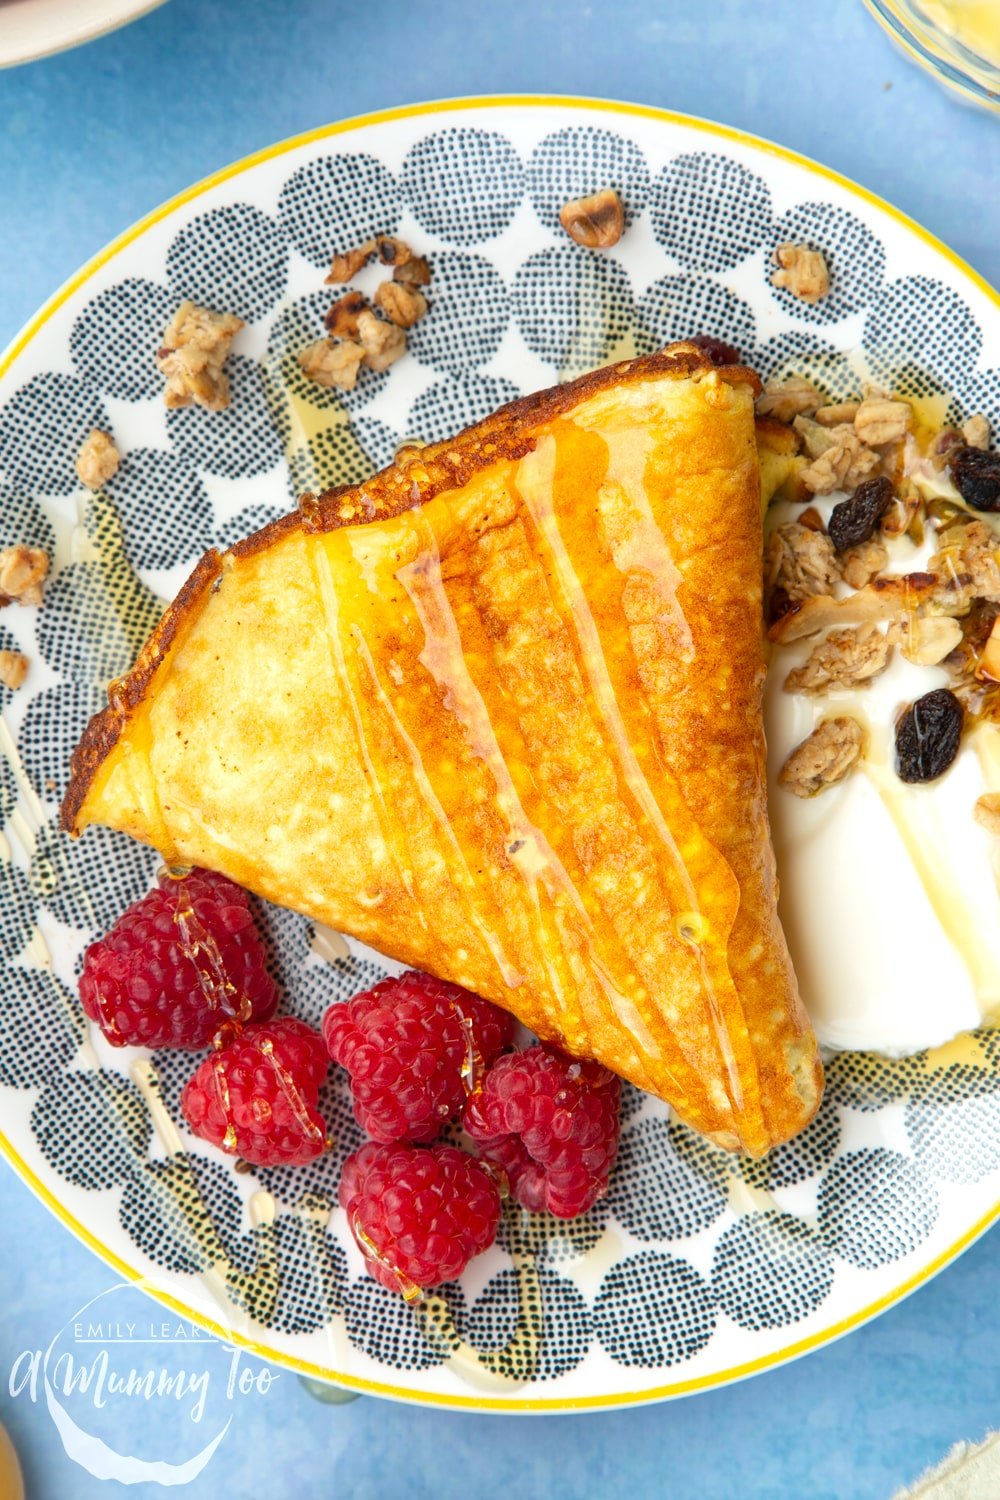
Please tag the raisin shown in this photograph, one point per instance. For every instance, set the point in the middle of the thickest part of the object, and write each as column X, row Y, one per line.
column 976, row 476
column 719, row 353
column 927, row 736
column 854, row 519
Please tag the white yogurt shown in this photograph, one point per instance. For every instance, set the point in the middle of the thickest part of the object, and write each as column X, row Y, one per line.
column 889, row 894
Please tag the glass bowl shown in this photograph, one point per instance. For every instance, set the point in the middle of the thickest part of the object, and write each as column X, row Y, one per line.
column 956, row 40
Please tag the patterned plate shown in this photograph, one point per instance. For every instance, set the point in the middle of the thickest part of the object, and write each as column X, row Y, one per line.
column 697, row 1267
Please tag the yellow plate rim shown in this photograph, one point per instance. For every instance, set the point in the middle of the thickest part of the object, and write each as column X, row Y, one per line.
column 21, row 341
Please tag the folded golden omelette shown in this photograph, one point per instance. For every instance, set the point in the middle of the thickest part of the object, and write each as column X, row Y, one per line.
column 497, row 712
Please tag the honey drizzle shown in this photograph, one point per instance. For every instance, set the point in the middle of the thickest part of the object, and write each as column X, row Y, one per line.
column 535, row 476
column 519, row 1358
column 444, row 659
column 461, row 873
column 326, row 593
column 409, row 1290
column 953, row 916
column 199, row 945
column 291, row 1091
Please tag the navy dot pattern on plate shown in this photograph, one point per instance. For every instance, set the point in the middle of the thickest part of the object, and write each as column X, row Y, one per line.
column 18, row 909
column 94, row 623
column 52, row 725
column 671, row 1256
column 236, row 443
column 920, row 315
column 78, row 1109
column 962, row 1105
column 182, row 1212
column 166, row 515
column 232, row 259
column 551, row 1304
column 245, row 522
column 770, row 1270
column 653, row 1310
column 579, row 161
column 574, row 309
column 88, row 882
column 41, row 1026
column 449, row 405
column 463, row 185
column 709, row 212
column 383, row 1327
column 655, row 1192
column 8, row 781
column 468, row 312
column 115, row 339
column 291, row 1275
column 22, row 522
column 799, row 352
column 345, row 453
column 336, row 203
column 807, row 1153
column 679, row 307
column 42, row 429
column 875, row 1206
column 853, row 254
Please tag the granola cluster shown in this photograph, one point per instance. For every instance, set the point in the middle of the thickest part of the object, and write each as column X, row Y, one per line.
column 831, row 579
column 98, row 460
column 356, row 335
column 195, row 347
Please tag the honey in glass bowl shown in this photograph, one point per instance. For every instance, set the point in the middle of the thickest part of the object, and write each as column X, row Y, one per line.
column 957, row 40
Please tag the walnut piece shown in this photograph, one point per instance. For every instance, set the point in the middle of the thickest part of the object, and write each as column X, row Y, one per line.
column 334, row 365
column 348, row 264
column 23, row 570
column 987, row 811
column 341, row 320
column 846, row 658
column 801, row 271
column 976, row 432
column 863, row 562
column 382, row 343
column 393, row 252
column 403, row 305
column 596, row 222
column 825, row 758
column 787, row 399
column 13, row 668
column 878, row 422
column 413, row 272
column 195, row 347
column 98, row 460
column 800, row 562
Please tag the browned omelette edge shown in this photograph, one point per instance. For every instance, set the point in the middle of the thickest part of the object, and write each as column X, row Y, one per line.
column 507, row 434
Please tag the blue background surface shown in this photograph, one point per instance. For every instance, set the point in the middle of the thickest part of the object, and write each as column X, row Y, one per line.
column 91, row 140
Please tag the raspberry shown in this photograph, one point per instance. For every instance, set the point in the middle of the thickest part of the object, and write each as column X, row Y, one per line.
column 418, row 1214
column 256, row 1096
column 178, row 965
column 413, row 1047
column 551, row 1123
